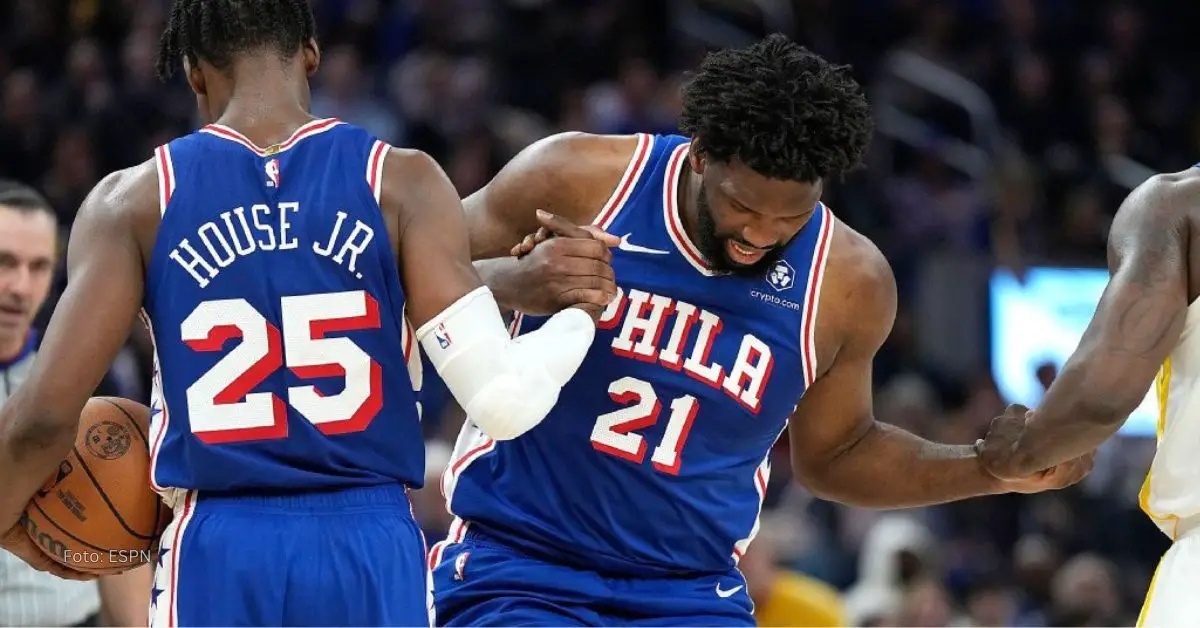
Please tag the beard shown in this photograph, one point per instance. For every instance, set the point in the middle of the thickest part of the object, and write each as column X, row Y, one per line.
column 712, row 245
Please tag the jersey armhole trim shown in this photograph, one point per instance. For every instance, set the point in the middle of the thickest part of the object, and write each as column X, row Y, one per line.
column 166, row 177
column 375, row 159
column 628, row 181
column 816, row 275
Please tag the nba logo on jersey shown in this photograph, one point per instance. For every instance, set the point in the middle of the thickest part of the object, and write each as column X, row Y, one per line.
column 272, row 169
column 443, row 336
column 781, row 276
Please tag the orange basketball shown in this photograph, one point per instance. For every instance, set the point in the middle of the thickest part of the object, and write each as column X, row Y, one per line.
column 97, row 513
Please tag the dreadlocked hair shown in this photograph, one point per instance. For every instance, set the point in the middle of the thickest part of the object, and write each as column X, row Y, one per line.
column 783, row 111
column 219, row 30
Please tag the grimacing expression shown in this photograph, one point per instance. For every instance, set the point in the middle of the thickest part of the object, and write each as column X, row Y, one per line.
column 744, row 220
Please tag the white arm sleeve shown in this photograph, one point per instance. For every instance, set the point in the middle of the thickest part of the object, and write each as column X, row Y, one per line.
column 505, row 386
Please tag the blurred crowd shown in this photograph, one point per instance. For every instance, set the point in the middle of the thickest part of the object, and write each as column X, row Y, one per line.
column 1009, row 132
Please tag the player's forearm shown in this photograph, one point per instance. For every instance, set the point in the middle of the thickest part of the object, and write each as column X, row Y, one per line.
column 891, row 468
column 506, row 386
column 1082, row 409
column 499, row 274
column 32, row 444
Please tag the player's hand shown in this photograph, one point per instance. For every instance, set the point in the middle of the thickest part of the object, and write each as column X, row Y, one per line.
column 998, row 453
column 553, row 225
column 565, row 266
column 16, row 541
column 1066, row 474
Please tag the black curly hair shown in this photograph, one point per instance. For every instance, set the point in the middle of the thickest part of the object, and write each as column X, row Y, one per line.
column 218, row 30
column 782, row 110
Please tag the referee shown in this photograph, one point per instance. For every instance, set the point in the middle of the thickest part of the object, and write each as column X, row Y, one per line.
column 28, row 250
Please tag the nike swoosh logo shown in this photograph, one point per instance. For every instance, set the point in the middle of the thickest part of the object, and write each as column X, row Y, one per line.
column 722, row 593
column 625, row 245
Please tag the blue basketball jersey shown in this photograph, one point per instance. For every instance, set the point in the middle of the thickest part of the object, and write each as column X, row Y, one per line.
column 655, row 459
column 282, row 353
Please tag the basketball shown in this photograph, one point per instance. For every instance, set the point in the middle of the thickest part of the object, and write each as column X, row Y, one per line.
column 97, row 513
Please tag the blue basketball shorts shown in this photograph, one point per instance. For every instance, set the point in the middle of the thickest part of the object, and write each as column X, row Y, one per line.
column 482, row 582
column 351, row 557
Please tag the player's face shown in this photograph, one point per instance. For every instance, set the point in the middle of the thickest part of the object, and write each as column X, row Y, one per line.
column 745, row 219
column 28, row 242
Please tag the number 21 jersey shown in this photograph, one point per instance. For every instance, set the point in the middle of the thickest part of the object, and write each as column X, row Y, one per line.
column 282, row 356
column 655, row 460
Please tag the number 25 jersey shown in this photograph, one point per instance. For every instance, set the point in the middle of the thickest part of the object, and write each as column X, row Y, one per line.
column 282, row 354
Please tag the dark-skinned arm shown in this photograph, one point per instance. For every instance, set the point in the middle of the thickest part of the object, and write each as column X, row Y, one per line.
column 1137, row 322
column 505, row 386
column 557, row 174
column 89, row 326
column 839, row 451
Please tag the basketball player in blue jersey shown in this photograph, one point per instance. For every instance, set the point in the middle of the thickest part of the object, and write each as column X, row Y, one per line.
column 263, row 252
column 741, row 307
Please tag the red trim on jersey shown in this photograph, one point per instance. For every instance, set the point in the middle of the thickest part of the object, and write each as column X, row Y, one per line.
column 406, row 338
column 456, row 533
column 185, row 515
column 166, row 176
column 157, row 392
column 760, row 485
column 816, row 274
column 375, row 167
column 514, row 328
column 673, row 217
column 308, row 130
column 624, row 188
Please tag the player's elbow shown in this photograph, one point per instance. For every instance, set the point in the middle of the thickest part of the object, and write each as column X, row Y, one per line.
column 829, row 487
column 35, row 430
column 512, row 403
column 821, row 478
column 506, row 386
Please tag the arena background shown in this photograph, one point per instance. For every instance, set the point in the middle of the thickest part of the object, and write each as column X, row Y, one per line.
column 1008, row 133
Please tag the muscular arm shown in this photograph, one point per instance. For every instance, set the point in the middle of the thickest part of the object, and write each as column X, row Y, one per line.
column 1136, row 324
column 569, row 174
column 435, row 263
column 90, row 324
column 839, row 451
column 505, row 386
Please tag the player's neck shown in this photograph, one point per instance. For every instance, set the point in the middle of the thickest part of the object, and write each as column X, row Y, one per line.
column 688, row 195
column 266, row 110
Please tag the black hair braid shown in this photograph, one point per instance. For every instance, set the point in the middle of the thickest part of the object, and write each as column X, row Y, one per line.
column 219, row 30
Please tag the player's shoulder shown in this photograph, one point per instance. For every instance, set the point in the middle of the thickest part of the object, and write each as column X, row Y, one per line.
column 126, row 192
column 1166, row 204
column 127, row 199
column 1168, row 193
column 570, row 149
column 859, row 289
column 572, row 172
column 856, row 263
column 574, row 158
column 410, row 162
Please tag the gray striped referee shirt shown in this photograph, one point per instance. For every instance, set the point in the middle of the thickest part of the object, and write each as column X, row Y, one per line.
column 29, row 597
